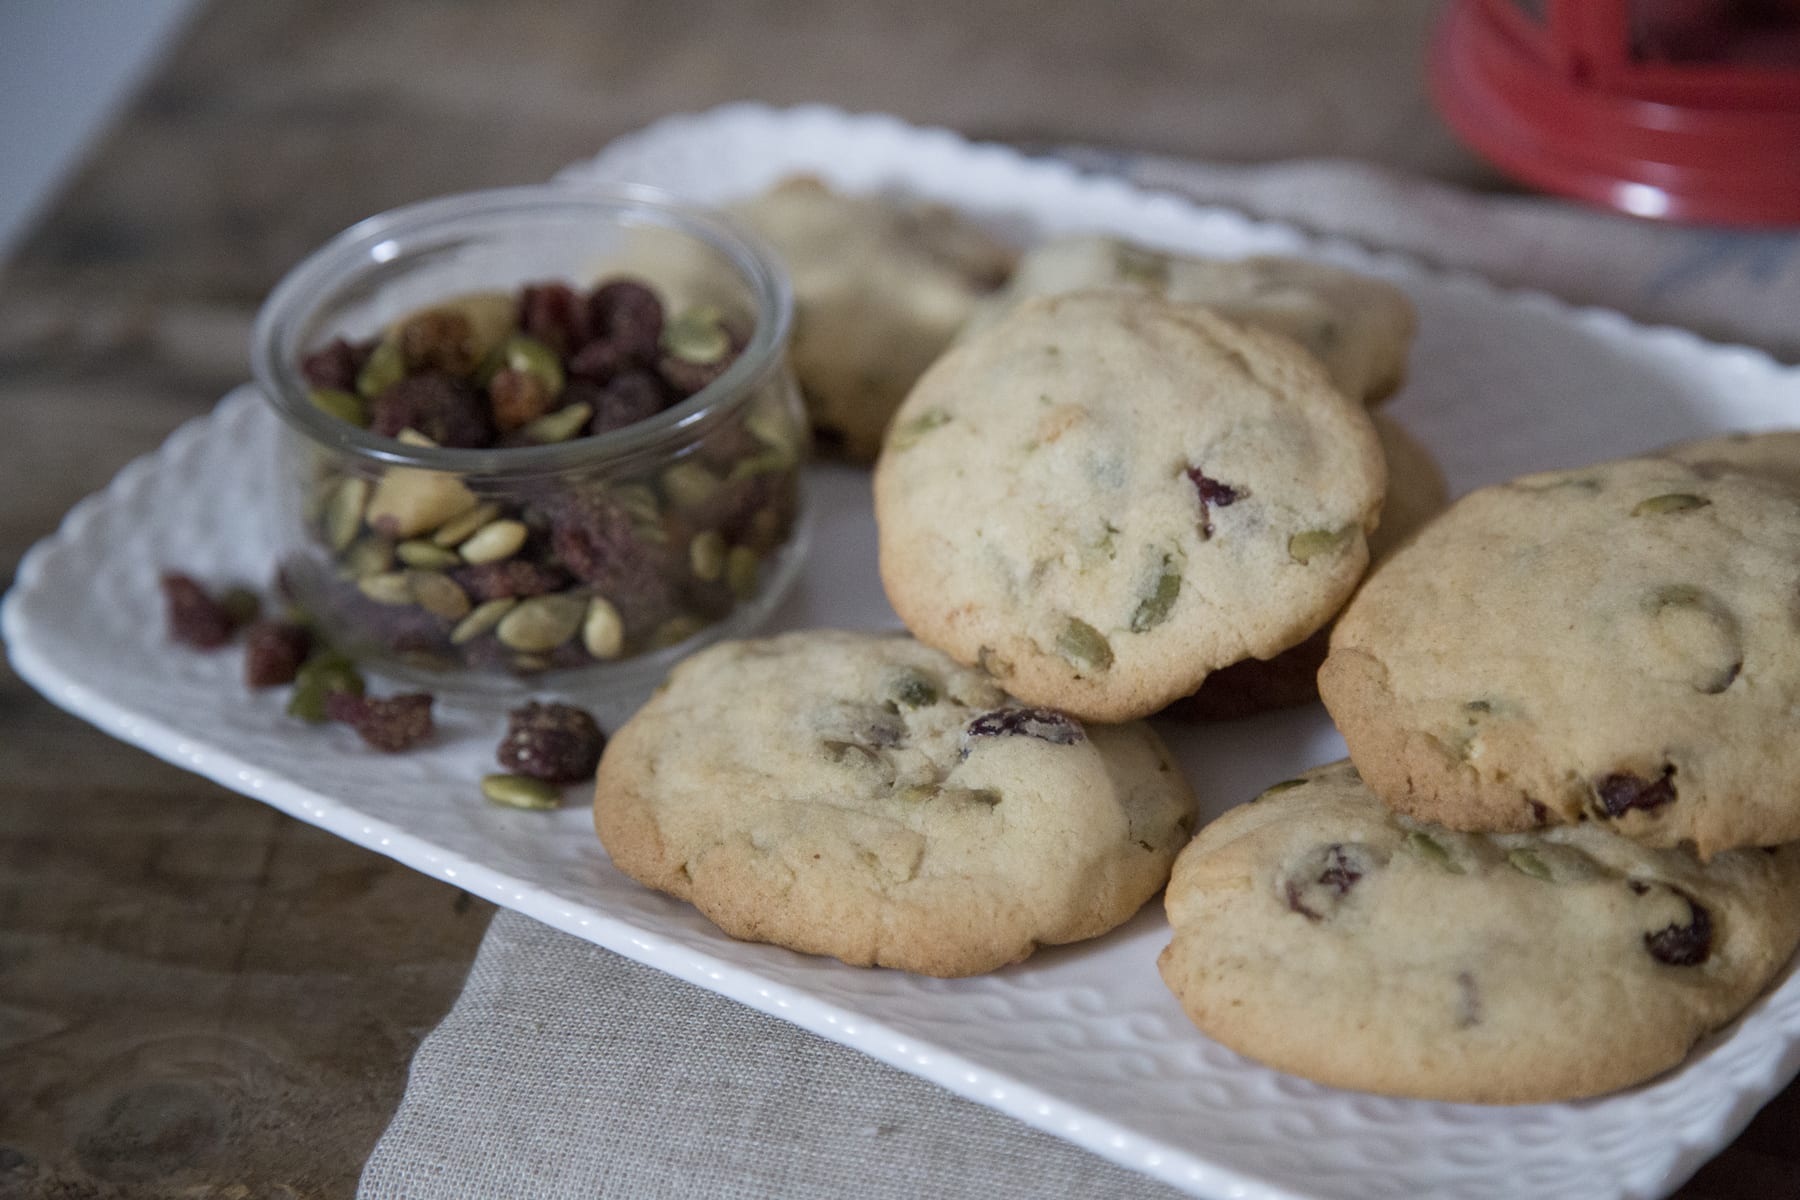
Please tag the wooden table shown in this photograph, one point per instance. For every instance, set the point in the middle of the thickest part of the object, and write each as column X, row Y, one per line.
column 198, row 996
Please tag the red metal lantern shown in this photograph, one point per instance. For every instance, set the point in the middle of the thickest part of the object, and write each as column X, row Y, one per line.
column 1680, row 109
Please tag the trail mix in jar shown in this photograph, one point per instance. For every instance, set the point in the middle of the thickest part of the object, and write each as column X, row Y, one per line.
column 560, row 570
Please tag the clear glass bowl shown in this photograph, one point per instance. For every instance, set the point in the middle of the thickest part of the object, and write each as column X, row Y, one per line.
column 596, row 561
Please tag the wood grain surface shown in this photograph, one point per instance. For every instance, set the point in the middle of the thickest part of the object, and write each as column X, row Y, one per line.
column 200, row 997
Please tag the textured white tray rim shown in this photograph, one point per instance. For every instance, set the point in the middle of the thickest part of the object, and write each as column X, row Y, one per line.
column 1081, row 1042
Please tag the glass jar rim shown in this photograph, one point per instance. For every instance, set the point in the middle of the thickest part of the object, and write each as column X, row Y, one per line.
column 275, row 340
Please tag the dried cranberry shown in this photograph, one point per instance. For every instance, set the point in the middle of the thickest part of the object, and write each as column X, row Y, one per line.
column 596, row 539
column 625, row 399
column 514, row 577
column 273, row 652
column 1683, row 945
column 336, row 364
column 627, row 314
column 195, row 617
column 555, row 315
column 1622, row 791
column 1326, row 878
column 1045, row 724
column 439, row 340
column 451, row 412
column 391, row 725
column 517, row 398
column 1213, row 493
column 553, row 742
column 600, row 360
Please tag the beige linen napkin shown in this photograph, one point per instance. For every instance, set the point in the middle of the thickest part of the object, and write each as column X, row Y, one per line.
column 567, row 1071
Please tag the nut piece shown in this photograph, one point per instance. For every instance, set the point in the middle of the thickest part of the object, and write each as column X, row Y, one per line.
column 494, row 541
column 541, row 623
column 409, row 501
column 521, row 791
column 603, row 630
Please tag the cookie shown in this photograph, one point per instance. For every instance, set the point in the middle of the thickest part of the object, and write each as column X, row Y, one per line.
column 1773, row 455
column 881, row 286
column 862, row 796
column 1105, row 496
column 1416, row 492
column 1321, row 934
column 1615, row 643
column 1360, row 328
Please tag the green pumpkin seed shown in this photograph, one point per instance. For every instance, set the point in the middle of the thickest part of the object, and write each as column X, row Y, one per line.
column 603, row 630
column 1084, row 645
column 345, row 406
column 388, row 587
column 241, row 604
column 688, row 484
column 425, row 555
column 1677, row 595
column 915, row 689
column 675, row 630
column 1284, row 786
column 706, row 555
column 532, row 357
column 385, row 367
column 775, row 427
column 1153, row 610
column 457, row 529
column 541, row 623
column 1529, row 863
column 918, row 793
column 697, row 335
column 439, row 595
column 370, row 556
column 494, row 542
column 410, row 501
column 318, row 677
column 521, row 791
column 1135, row 264
column 530, row 663
column 742, row 565
column 907, row 434
column 769, row 462
column 481, row 619
column 1432, row 851
column 558, row 426
column 344, row 512
column 1672, row 502
column 1309, row 544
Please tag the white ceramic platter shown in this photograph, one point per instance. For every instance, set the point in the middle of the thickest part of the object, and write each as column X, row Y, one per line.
column 1083, row 1041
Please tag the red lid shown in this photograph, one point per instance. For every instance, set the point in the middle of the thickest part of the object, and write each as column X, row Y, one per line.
column 1680, row 109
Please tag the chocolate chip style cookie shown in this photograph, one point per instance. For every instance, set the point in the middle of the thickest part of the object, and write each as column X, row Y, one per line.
column 1360, row 328
column 880, row 287
column 1105, row 496
column 1615, row 643
column 1415, row 493
column 862, row 796
column 1320, row 933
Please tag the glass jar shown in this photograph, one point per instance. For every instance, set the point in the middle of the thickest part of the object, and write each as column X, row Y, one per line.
column 599, row 559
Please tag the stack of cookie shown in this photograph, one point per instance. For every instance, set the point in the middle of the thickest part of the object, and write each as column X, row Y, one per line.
column 1565, row 850
column 1092, row 503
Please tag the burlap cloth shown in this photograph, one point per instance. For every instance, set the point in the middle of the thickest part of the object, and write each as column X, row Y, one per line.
column 567, row 1071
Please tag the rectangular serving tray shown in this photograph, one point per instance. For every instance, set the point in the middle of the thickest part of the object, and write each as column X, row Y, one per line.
column 1082, row 1041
